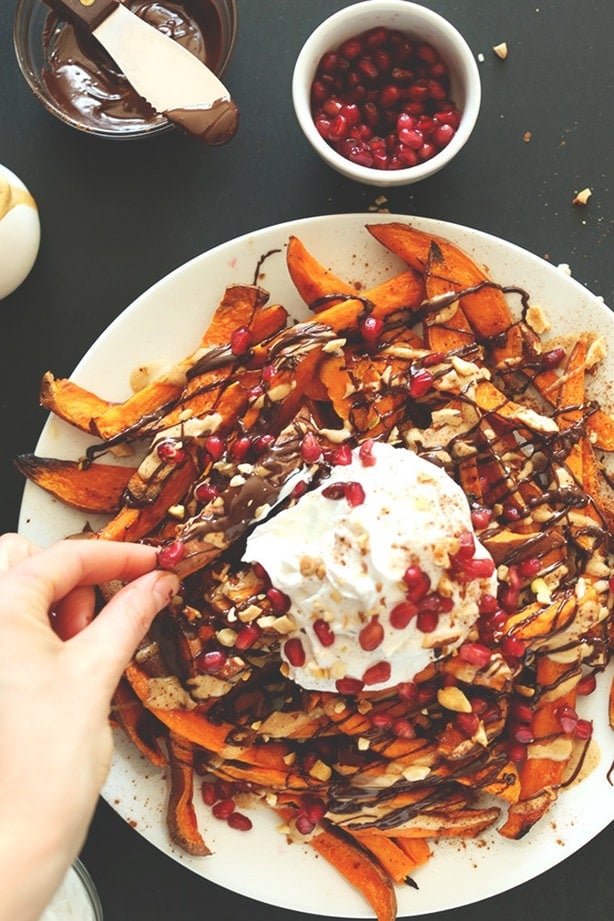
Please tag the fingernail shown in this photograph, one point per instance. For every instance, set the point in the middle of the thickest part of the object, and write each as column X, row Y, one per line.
column 165, row 587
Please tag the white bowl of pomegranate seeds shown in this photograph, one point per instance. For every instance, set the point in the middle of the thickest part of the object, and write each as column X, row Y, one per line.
column 386, row 91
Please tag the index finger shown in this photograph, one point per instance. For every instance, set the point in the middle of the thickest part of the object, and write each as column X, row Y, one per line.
column 49, row 575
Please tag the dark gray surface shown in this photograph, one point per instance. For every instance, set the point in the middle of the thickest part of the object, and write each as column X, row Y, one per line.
column 116, row 217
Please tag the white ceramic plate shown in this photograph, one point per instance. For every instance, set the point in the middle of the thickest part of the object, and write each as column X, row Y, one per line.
column 165, row 323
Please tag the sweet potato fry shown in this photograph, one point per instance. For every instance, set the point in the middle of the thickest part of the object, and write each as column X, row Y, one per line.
column 487, row 310
column 138, row 723
column 91, row 488
column 71, row 402
column 360, row 869
column 181, row 817
column 395, row 860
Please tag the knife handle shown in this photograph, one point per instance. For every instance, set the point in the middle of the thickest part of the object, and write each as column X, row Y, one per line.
column 89, row 13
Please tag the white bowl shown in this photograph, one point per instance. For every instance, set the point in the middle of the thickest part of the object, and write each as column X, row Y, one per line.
column 418, row 23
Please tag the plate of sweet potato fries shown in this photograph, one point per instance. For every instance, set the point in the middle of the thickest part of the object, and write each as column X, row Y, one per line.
column 494, row 762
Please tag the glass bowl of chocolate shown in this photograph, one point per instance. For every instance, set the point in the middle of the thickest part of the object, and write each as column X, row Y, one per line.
column 77, row 81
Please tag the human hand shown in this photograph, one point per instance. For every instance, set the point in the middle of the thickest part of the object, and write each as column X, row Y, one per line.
column 55, row 696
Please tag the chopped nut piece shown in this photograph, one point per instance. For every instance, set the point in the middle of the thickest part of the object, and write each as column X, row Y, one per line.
column 501, row 50
column 526, row 137
column 452, row 698
column 597, row 351
column 582, row 197
column 320, row 771
column 537, row 319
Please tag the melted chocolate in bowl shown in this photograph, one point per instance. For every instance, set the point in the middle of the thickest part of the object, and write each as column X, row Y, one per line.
column 85, row 82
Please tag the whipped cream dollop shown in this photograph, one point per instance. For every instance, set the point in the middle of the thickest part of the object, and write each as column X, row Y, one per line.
column 381, row 568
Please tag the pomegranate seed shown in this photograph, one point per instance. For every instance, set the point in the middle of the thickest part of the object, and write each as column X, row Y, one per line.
column 435, row 603
column 511, row 512
column 211, row 662
column 371, row 635
column 468, row 723
column 331, row 107
column 411, row 138
column 349, row 685
column 171, row 554
column 268, row 373
column 377, row 673
column 310, row 448
column 427, row 151
column 517, row 752
column 467, row 546
column 402, row 613
column 370, row 329
column 435, row 358
column 403, row 729
column 205, row 492
column 240, row 449
column 420, row 382
column 475, row 654
column 214, row 446
column 586, row 685
column 375, row 37
column 529, row 568
column 338, row 129
column 298, row 490
column 223, row 808
column 329, row 64
column 351, row 113
column 478, row 568
column 512, row 647
column 365, row 453
column 417, row 581
column 279, row 601
column 240, row 340
column 313, row 807
column 509, row 598
column 522, row 712
column 443, row 135
column 354, row 493
column 335, row 491
column 367, row 68
column 261, row 573
column 239, row 821
column 294, row 652
column 552, row 358
column 381, row 721
column 583, row 730
column 351, row 48
column 224, row 788
column 488, row 604
column 171, row 451
column 522, row 734
column 409, row 158
column 323, row 632
column 342, row 456
column 360, row 155
column 427, row 621
column 481, row 518
column 304, row 825
column 247, row 636
column 567, row 718
column 262, row 443
column 408, row 691
column 208, row 793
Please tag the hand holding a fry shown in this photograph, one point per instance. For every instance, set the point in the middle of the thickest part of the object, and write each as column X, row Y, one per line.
column 55, row 695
